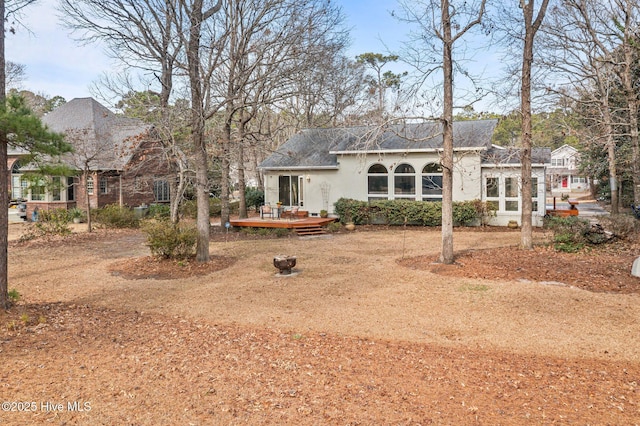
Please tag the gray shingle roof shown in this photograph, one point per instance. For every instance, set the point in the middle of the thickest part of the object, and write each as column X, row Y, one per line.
column 96, row 132
column 318, row 148
column 512, row 156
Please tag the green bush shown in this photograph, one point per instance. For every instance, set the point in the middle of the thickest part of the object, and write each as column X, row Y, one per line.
column 51, row 222
column 170, row 241
column 569, row 233
column 114, row 216
column 334, row 227
column 14, row 296
column 399, row 212
column 254, row 197
column 159, row 211
column 55, row 215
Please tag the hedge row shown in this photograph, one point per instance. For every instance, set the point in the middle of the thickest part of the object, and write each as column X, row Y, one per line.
column 399, row 212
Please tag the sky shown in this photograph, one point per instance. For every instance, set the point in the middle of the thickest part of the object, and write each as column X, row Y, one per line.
column 56, row 65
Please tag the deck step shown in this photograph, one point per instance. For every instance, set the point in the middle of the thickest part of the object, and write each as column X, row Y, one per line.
column 310, row 230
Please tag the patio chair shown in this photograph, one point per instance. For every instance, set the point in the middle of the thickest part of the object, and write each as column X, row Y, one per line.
column 266, row 210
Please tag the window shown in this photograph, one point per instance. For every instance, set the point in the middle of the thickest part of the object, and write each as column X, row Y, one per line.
column 289, row 190
column 17, row 187
column 71, row 193
column 103, row 185
column 576, row 179
column 17, row 184
column 432, row 182
column 492, row 189
column 534, row 194
column 511, row 194
column 56, row 189
column 405, row 181
column 161, row 191
column 38, row 191
column 90, row 185
column 378, row 182
column 557, row 162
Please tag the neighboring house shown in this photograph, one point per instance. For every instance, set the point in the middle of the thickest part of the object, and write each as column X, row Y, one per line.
column 562, row 174
column 316, row 167
column 125, row 162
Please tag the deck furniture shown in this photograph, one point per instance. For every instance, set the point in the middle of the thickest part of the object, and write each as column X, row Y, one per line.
column 267, row 211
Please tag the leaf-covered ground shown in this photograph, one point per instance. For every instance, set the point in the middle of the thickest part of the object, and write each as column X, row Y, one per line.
column 370, row 331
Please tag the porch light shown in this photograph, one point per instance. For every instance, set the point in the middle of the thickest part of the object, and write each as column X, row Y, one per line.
column 308, row 178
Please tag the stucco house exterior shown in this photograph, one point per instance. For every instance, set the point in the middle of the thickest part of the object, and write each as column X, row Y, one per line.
column 562, row 173
column 124, row 159
column 316, row 167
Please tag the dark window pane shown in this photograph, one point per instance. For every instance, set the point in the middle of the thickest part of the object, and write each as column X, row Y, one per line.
column 378, row 185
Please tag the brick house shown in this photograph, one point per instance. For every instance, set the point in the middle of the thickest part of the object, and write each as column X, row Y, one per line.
column 122, row 160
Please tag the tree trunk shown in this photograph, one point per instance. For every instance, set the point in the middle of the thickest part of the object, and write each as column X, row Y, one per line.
column 446, row 255
column 4, row 176
column 525, row 154
column 531, row 28
column 203, row 224
column 242, row 185
column 225, row 170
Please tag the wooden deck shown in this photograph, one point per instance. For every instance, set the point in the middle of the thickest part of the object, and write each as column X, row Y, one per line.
column 282, row 223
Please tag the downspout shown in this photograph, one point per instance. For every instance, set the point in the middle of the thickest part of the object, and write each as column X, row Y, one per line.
column 120, row 199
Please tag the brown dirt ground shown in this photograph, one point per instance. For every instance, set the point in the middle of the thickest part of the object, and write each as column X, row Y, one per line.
column 370, row 330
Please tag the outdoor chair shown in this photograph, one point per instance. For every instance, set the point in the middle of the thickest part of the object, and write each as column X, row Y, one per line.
column 266, row 210
column 636, row 210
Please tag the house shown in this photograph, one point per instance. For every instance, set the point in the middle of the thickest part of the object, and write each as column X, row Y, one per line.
column 122, row 161
column 562, row 174
column 316, row 167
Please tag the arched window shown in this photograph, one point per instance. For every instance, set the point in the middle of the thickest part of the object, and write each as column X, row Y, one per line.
column 432, row 182
column 404, row 181
column 378, row 182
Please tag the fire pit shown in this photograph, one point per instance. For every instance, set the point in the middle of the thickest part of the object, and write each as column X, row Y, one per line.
column 284, row 263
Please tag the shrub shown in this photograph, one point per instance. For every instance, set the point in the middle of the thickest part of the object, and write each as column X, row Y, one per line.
column 465, row 213
column 254, row 197
column 170, row 241
column 14, row 296
column 159, row 211
column 114, row 216
column 334, row 227
column 399, row 212
column 52, row 222
column 189, row 208
column 569, row 233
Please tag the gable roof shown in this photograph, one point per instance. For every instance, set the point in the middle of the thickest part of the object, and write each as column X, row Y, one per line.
column 565, row 151
column 96, row 132
column 319, row 148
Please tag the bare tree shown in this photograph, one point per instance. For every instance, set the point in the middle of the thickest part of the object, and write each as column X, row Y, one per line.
column 442, row 24
column 575, row 52
column 141, row 34
column 268, row 44
column 532, row 22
